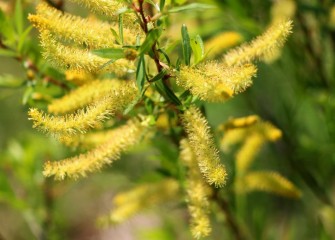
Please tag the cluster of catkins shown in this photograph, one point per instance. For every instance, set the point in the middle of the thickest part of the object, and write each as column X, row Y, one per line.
column 67, row 42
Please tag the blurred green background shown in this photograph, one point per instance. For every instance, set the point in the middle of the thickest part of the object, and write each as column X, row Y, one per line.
column 295, row 93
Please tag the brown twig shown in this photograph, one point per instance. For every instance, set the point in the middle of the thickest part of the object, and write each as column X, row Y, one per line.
column 30, row 66
column 231, row 220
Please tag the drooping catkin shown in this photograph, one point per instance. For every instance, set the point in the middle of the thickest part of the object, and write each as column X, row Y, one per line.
column 109, row 9
column 197, row 193
column 88, row 140
column 247, row 153
column 86, row 94
column 264, row 45
column 79, row 166
column 79, row 77
column 64, row 26
column 267, row 181
column 129, row 203
column 221, row 42
column 202, row 144
column 69, row 57
column 214, row 82
column 243, row 122
column 86, row 118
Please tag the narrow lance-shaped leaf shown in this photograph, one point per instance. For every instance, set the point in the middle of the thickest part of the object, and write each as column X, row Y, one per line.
column 167, row 92
column 161, row 5
column 197, row 46
column 18, row 14
column 112, row 53
column 186, row 44
column 150, row 40
column 121, row 27
column 191, row 7
column 140, row 73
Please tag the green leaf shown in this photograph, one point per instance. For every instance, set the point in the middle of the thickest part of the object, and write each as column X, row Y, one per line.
column 112, row 53
column 9, row 81
column 197, row 46
column 7, row 53
column 191, row 7
column 167, row 92
column 23, row 38
column 106, row 64
column 117, row 38
column 159, row 76
column 161, row 5
column 165, row 55
column 132, row 104
column 140, row 73
column 150, row 40
column 5, row 28
column 121, row 28
column 18, row 17
column 186, row 45
column 27, row 95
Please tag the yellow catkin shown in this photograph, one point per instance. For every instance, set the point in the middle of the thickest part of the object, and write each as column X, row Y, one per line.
column 79, row 166
column 69, row 57
column 221, row 42
column 93, row 34
column 87, row 118
column 270, row 132
column 282, row 10
column 88, row 140
column 332, row 17
column 78, row 77
column 233, row 137
column 202, row 144
column 109, row 8
column 197, row 193
column 144, row 196
column 242, row 122
column 264, row 45
column 214, row 82
column 247, row 153
column 86, row 94
column 269, row 182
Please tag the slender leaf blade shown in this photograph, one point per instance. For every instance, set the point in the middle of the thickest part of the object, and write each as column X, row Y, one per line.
column 150, row 40
column 191, row 7
column 197, row 46
column 18, row 16
column 112, row 53
column 186, row 44
column 161, row 5
column 140, row 73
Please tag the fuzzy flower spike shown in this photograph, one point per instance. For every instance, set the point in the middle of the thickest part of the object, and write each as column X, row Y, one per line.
column 202, row 144
column 263, row 46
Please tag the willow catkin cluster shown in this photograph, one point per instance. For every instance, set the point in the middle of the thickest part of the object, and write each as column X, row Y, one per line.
column 221, row 42
column 249, row 151
column 109, row 9
column 78, row 77
column 88, row 140
column 202, row 144
column 86, row 118
column 269, row 182
column 197, row 193
column 70, row 57
column 121, row 140
column 214, row 82
column 128, row 203
column 64, row 26
column 253, row 132
column 264, row 45
column 86, row 94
